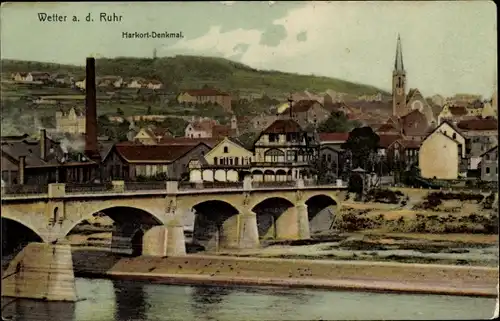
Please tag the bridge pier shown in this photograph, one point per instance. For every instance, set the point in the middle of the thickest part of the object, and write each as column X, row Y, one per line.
column 127, row 239
column 248, row 233
column 161, row 241
column 293, row 224
column 41, row 271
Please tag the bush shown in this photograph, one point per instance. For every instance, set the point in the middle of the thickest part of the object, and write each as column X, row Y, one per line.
column 456, row 196
column 384, row 196
column 488, row 201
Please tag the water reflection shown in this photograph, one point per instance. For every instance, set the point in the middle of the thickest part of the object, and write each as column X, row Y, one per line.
column 105, row 300
column 206, row 300
column 36, row 310
column 131, row 301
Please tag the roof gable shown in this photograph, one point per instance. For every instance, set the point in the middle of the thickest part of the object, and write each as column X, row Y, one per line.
column 453, row 127
column 226, row 141
column 283, row 126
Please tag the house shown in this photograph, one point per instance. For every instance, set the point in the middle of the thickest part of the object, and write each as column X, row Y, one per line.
column 137, row 82
column 489, row 110
column 151, row 136
column 479, row 127
column 441, row 153
column 20, row 76
column 307, row 112
column 109, row 81
column 43, row 161
column 206, row 95
column 62, row 79
column 228, row 161
column 330, row 154
column 489, row 165
column 131, row 162
column 262, row 121
column 200, row 128
column 413, row 126
column 71, row 121
column 284, row 152
column 452, row 113
column 34, row 76
column 462, row 99
column 449, row 129
column 397, row 151
column 80, row 84
column 154, row 85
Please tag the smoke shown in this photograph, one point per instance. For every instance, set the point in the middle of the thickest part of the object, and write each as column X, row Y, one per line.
column 72, row 145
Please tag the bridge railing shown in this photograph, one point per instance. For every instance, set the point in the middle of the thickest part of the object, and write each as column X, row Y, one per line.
column 88, row 188
column 209, row 185
column 274, row 184
column 25, row 189
column 144, row 186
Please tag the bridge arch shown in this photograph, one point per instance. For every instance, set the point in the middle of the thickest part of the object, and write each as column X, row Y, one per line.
column 215, row 224
column 129, row 226
column 16, row 235
column 268, row 211
column 321, row 211
column 140, row 217
column 29, row 223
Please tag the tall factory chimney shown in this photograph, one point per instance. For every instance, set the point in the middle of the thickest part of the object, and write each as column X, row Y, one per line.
column 91, row 147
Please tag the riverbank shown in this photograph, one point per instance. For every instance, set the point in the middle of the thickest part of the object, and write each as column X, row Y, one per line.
column 328, row 274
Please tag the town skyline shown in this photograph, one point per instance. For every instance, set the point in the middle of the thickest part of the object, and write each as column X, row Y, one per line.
column 285, row 40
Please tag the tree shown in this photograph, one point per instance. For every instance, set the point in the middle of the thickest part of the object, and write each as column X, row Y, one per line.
column 337, row 123
column 175, row 125
column 362, row 144
column 248, row 139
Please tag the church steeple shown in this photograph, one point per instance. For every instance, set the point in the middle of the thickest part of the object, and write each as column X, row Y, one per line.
column 399, row 107
column 398, row 61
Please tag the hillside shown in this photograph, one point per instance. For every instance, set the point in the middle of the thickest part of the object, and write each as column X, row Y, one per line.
column 194, row 72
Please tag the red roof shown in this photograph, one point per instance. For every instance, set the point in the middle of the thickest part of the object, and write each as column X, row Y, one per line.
column 479, row 124
column 151, row 153
column 210, row 142
column 204, row 125
column 408, row 143
column 282, row 126
column 333, row 137
column 302, row 106
column 205, row 92
column 458, row 110
column 387, row 140
column 388, row 127
column 222, row 131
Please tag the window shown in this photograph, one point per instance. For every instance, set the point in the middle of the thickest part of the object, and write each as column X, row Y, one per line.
column 290, row 155
column 226, row 150
column 486, row 157
column 236, row 161
column 230, row 161
column 199, row 135
column 324, row 158
column 487, row 170
column 215, row 160
column 454, row 136
column 329, row 158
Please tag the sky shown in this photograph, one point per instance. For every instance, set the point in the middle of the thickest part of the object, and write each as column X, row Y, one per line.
column 448, row 47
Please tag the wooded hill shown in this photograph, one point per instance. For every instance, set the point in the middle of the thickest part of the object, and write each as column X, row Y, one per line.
column 182, row 72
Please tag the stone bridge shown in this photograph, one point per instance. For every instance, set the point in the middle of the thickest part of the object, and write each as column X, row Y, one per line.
column 149, row 216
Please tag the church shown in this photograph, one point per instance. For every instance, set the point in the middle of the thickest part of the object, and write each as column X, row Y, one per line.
column 410, row 111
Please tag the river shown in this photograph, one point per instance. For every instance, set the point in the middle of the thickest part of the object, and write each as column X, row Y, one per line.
column 106, row 300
